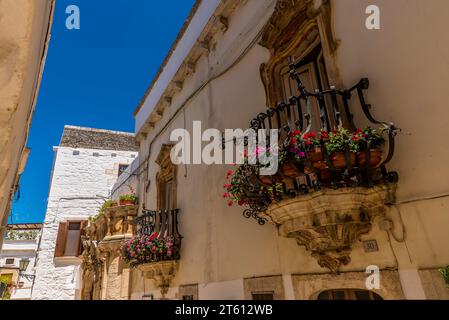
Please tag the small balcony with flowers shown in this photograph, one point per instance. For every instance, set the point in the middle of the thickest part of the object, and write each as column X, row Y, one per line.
column 331, row 181
column 155, row 247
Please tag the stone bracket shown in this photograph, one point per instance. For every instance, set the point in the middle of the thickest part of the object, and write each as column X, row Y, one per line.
column 328, row 222
column 162, row 273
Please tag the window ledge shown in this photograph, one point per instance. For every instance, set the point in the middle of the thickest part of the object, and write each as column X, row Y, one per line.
column 66, row 261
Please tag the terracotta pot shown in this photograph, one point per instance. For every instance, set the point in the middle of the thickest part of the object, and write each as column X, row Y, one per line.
column 289, row 170
column 267, row 180
column 339, row 161
column 326, row 175
column 316, row 158
column 375, row 158
column 315, row 155
column 126, row 202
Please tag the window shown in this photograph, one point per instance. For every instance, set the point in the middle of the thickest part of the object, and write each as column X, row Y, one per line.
column 349, row 294
column 122, row 168
column 263, row 295
column 166, row 192
column 188, row 292
column 68, row 241
column 10, row 261
column 312, row 72
column 166, row 180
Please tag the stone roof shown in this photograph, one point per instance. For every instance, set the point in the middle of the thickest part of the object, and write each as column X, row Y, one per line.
column 90, row 138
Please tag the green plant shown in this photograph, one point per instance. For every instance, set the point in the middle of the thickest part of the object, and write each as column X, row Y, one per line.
column 371, row 137
column 340, row 140
column 106, row 204
column 128, row 197
column 236, row 191
column 21, row 234
column 96, row 217
column 445, row 273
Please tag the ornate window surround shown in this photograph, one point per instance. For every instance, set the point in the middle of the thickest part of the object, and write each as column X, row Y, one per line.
column 283, row 38
column 167, row 173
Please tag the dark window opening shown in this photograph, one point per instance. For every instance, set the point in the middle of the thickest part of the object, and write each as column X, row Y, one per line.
column 122, row 168
column 348, row 294
column 263, row 295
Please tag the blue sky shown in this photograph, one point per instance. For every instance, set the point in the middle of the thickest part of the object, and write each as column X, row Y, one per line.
column 94, row 77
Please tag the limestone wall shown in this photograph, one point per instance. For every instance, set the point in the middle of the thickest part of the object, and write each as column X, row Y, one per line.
column 80, row 178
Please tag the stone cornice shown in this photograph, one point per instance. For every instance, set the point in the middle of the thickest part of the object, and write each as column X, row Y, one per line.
column 219, row 22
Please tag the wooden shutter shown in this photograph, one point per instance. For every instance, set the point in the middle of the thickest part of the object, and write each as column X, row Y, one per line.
column 61, row 239
column 82, row 233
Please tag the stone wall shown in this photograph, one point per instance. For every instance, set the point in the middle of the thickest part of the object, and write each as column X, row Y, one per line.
column 81, row 177
column 88, row 138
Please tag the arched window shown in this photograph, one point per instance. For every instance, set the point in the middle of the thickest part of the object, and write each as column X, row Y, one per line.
column 348, row 294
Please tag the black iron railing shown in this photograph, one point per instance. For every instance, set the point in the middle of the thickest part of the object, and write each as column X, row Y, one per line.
column 162, row 224
column 335, row 112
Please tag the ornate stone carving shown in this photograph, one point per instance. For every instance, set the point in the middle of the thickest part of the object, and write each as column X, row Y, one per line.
column 328, row 222
column 92, row 268
column 293, row 25
column 162, row 273
column 120, row 221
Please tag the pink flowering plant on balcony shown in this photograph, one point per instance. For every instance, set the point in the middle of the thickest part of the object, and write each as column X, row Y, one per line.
column 237, row 189
column 149, row 248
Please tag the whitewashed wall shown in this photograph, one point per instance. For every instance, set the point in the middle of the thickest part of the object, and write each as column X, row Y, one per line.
column 20, row 249
column 78, row 183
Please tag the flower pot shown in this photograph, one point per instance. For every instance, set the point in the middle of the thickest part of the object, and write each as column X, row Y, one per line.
column 325, row 175
column 288, row 169
column 339, row 161
column 268, row 180
column 316, row 158
column 315, row 155
column 375, row 158
column 114, row 204
column 127, row 202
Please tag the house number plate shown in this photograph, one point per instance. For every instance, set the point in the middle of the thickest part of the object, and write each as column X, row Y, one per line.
column 370, row 246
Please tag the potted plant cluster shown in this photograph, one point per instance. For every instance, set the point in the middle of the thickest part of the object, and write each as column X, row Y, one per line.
column 149, row 248
column 305, row 153
column 127, row 199
column 108, row 204
column 373, row 143
column 237, row 190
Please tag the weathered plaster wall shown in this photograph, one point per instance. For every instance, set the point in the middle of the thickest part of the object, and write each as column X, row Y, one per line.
column 80, row 178
column 24, row 30
column 219, row 245
column 406, row 62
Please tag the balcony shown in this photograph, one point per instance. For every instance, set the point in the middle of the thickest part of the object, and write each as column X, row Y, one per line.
column 115, row 223
column 331, row 183
column 155, row 248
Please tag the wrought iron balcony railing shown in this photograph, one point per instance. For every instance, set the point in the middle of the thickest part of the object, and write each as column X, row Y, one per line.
column 296, row 115
column 158, row 230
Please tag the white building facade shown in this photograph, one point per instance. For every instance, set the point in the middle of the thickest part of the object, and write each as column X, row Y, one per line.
column 19, row 249
column 86, row 166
